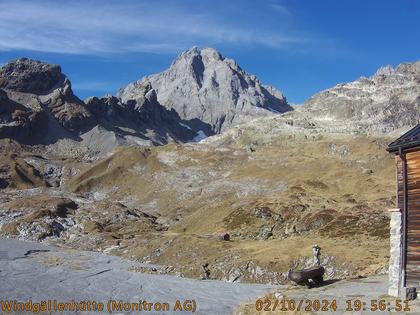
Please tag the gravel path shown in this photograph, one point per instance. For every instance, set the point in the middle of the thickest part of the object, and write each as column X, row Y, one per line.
column 39, row 272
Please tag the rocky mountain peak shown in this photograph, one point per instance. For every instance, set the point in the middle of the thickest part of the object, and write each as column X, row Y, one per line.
column 38, row 104
column 30, row 76
column 384, row 102
column 404, row 73
column 202, row 84
column 409, row 68
column 208, row 54
column 386, row 70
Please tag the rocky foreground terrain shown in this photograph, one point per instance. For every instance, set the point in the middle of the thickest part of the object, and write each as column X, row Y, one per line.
column 167, row 205
column 94, row 175
column 101, row 278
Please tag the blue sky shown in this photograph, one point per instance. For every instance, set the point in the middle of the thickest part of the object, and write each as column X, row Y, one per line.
column 299, row 46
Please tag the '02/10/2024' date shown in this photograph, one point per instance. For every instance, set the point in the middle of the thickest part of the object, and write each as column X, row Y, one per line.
column 308, row 305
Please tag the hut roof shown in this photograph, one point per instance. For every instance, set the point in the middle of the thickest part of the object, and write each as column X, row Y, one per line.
column 408, row 140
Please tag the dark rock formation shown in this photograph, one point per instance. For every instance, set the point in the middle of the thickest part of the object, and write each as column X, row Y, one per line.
column 19, row 122
column 140, row 118
column 37, row 104
column 30, row 76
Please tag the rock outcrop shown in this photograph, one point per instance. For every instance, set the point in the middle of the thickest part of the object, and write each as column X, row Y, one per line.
column 30, row 76
column 204, row 85
column 140, row 119
column 388, row 100
column 385, row 104
column 37, row 104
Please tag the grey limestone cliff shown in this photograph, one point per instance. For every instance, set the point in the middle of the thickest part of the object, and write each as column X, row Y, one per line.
column 204, row 85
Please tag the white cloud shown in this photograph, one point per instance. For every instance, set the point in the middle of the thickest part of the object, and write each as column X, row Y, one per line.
column 280, row 8
column 87, row 27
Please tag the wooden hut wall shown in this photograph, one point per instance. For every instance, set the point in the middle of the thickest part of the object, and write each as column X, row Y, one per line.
column 413, row 215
